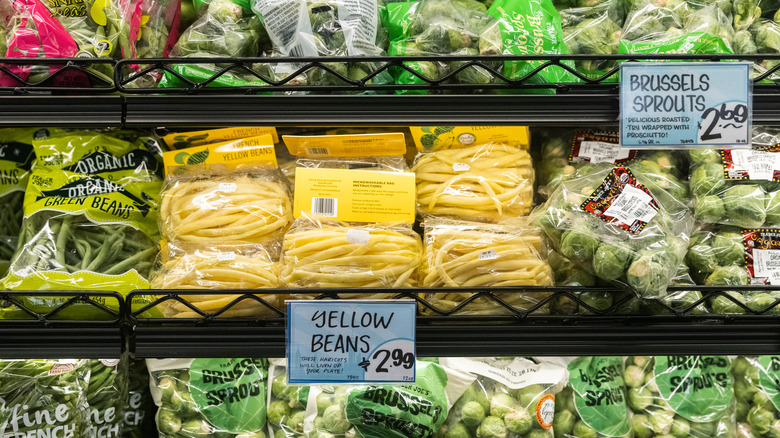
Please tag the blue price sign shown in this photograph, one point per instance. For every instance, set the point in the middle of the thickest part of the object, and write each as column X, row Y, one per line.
column 685, row 104
column 351, row 341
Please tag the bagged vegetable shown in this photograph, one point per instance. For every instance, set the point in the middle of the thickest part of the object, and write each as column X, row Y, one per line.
column 209, row 397
column 592, row 31
column 510, row 397
column 16, row 158
column 139, row 410
column 84, row 232
column 593, row 404
column 620, row 225
column 487, row 182
column 415, row 410
column 324, row 253
column 685, row 396
column 436, row 138
column 286, row 404
column 470, row 254
column 225, row 194
column 107, row 395
column 738, row 187
column 46, row 397
column 755, row 388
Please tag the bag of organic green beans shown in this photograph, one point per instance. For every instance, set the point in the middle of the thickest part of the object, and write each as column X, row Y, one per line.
column 16, row 158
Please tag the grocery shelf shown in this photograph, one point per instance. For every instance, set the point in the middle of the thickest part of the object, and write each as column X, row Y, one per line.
column 625, row 327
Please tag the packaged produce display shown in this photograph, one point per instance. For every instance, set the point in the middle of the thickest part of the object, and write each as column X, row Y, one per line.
column 755, row 389
column 286, row 404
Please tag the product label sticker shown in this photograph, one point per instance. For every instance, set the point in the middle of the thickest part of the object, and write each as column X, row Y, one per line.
column 488, row 255
column 545, row 411
column 351, row 341
column 461, row 167
column 355, row 195
column 599, row 394
column 762, row 255
column 621, row 200
column 181, row 140
column 434, row 138
column 360, row 237
column 685, row 104
column 231, row 154
column 698, row 388
column 349, row 145
column 227, row 187
column 227, row 256
column 751, row 164
column 599, row 147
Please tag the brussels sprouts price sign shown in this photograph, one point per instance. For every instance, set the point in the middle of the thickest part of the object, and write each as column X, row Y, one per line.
column 351, row 341
column 685, row 104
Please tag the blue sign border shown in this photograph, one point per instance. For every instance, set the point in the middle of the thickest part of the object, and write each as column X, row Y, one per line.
column 748, row 66
column 400, row 303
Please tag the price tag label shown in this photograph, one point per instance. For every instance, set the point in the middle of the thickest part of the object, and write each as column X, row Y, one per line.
column 685, row 104
column 351, row 341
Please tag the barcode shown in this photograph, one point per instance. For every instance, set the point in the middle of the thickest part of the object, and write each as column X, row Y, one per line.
column 316, row 151
column 324, row 206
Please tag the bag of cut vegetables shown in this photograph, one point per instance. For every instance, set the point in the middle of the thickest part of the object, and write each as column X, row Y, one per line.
column 510, row 397
column 757, row 392
column 223, row 398
column 44, row 398
column 417, row 410
column 106, row 396
column 286, row 404
column 225, row 207
column 16, row 158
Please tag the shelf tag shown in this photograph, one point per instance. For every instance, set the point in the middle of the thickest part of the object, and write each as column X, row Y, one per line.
column 683, row 105
column 351, row 341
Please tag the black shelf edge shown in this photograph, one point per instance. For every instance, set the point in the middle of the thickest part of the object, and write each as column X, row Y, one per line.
column 61, row 110
column 93, row 341
column 514, row 339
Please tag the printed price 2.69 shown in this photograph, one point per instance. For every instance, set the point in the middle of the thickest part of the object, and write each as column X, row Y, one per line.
column 716, row 122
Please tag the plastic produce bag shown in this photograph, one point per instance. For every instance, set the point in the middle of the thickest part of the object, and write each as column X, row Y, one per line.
column 107, row 395
column 471, row 254
column 415, row 410
column 84, row 232
column 436, row 138
column 594, row 402
column 46, row 397
column 685, row 396
column 510, row 397
column 488, row 182
column 592, row 31
column 139, row 410
column 16, row 158
column 286, row 404
column 225, row 194
column 620, row 225
column 209, row 397
column 323, row 253
column 755, row 388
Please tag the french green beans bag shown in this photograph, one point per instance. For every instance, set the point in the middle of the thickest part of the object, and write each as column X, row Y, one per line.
column 757, row 390
column 44, row 398
column 375, row 411
column 83, row 232
column 106, row 397
column 681, row 396
column 16, row 158
column 139, row 410
column 223, row 398
column 510, row 397
column 286, row 403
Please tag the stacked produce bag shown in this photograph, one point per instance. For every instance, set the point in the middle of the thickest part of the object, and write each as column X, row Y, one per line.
column 16, row 158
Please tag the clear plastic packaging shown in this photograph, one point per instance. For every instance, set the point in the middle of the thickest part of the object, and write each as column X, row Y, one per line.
column 512, row 396
column 471, row 254
column 16, row 159
column 756, row 391
column 487, row 182
column 685, row 396
column 139, row 411
column 592, row 31
column 107, row 395
column 323, row 254
column 286, row 403
column 209, row 397
column 618, row 224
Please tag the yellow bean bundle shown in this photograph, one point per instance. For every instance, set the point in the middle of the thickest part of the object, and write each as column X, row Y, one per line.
column 225, row 209
column 468, row 254
column 486, row 182
column 213, row 269
column 343, row 256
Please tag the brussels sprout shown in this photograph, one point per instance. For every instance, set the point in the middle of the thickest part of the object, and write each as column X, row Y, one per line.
column 709, row 209
column 610, row 261
column 773, row 209
column 728, row 276
column 502, row 403
column 528, row 395
column 168, row 421
column 563, row 423
column 196, row 427
column 760, row 302
column 681, row 428
column 492, row 427
column 640, row 398
column 745, row 205
column 641, row 427
column 582, row 430
column 225, row 11
column 743, row 42
column 518, row 421
column 760, row 420
column 703, row 430
column 472, row 414
column 728, row 248
column 295, row 420
column 633, row 376
column 277, row 411
column 704, row 156
column 457, row 431
column 742, row 410
column 597, row 300
column 707, row 179
column 724, row 306
column 334, row 420
column 762, row 400
column 578, row 246
column 774, row 431
column 743, row 391
column 647, row 276
column 540, row 433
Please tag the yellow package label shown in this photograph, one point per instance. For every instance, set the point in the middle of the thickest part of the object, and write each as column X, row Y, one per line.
column 435, row 138
column 355, row 195
column 352, row 145
column 253, row 150
column 181, row 140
